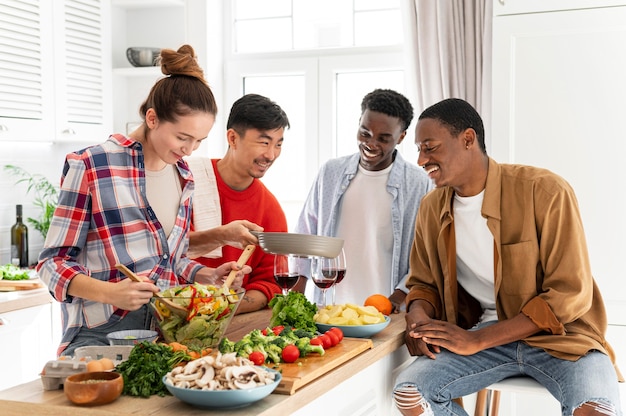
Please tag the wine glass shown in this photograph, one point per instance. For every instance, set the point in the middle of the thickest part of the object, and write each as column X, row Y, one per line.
column 286, row 271
column 324, row 274
column 341, row 272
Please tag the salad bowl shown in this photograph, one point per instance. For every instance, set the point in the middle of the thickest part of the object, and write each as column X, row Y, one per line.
column 210, row 310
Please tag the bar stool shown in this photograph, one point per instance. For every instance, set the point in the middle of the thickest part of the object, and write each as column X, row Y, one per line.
column 513, row 384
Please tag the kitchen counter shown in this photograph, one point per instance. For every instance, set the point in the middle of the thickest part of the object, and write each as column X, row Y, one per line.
column 31, row 398
column 21, row 299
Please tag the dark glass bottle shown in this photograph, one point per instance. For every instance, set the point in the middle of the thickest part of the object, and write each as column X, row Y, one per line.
column 19, row 240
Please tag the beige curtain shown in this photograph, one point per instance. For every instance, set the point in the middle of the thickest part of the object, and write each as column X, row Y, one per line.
column 448, row 52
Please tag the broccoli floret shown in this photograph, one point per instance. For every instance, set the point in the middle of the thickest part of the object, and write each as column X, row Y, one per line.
column 226, row 346
column 280, row 342
column 303, row 333
column 243, row 347
column 289, row 334
column 257, row 337
column 305, row 347
column 273, row 353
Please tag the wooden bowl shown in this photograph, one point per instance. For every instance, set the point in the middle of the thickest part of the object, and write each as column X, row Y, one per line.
column 93, row 388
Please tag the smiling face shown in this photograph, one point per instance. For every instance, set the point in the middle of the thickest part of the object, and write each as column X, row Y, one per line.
column 447, row 158
column 168, row 142
column 254, row 152
column 378, row 136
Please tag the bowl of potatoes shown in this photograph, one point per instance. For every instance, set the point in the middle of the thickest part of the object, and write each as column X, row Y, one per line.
column 355, row 321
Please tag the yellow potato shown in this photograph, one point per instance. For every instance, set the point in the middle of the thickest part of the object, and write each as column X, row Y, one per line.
column 368, row 319
column 349, row 313
column 368, row 310
column 338, row 320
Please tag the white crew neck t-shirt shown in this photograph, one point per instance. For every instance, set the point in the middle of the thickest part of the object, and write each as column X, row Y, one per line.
column 474, row 253
column 163, row 191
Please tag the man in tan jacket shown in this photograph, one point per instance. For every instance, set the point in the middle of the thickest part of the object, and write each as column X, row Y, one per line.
column 500, row 281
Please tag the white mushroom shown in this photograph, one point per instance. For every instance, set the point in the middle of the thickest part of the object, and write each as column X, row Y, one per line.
column 209, row 374
column 243, row 385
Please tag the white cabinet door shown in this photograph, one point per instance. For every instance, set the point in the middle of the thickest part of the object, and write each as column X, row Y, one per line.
column 26, row 344
column 558, row 103
column 82, row 71
column 502, row 7
column 26, row 70
column 55, row 70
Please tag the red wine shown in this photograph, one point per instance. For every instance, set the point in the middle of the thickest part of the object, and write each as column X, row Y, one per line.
column 324, row 283
column 286, row 281
column 341, row 273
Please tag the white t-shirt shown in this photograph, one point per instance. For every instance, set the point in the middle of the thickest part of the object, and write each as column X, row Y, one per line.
column 364, row 222
column 474, row 253
column 163, row 191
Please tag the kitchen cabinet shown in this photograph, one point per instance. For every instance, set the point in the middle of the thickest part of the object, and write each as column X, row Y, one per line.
column 28, row 339
column 558, row 91
column 504, row 7
column 55, row 70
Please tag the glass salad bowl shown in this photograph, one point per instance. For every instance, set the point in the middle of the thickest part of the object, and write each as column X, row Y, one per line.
column 209, row 312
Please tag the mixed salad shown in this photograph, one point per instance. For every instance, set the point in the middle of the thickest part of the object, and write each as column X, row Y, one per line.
column 209, row 311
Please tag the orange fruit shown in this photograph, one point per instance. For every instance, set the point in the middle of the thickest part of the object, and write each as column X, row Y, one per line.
column 380, row 302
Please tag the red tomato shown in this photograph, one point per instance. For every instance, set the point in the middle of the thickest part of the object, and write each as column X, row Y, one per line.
column 264, row 331
column 290, row 354
column 317, row 341
column 326, row 341
column 257, row 357
column 333, row 337
column 278, row 329
column 338, row 332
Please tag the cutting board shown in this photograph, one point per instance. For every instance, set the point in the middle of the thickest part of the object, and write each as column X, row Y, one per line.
column 13, row 285
column 311, row 367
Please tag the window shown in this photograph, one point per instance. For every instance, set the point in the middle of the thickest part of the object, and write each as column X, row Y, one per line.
column 317, row 66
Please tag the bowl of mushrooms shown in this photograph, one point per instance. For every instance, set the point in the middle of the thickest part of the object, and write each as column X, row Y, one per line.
column 221, row 381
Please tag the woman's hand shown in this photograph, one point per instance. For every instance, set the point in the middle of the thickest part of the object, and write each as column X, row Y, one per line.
column 217, row 276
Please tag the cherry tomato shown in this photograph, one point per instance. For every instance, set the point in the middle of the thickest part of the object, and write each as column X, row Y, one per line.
column 333, row 337
column 317, row 341
column 257, row 357
column 338, row 332
column 264, row 331
column 326, row 341
column 290, row 354
column 278, row 329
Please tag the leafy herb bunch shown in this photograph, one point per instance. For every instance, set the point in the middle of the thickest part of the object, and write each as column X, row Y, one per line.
column 46, row 196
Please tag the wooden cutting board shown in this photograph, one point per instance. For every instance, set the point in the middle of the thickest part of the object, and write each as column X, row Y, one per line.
column 311, row 367
column 13, row 285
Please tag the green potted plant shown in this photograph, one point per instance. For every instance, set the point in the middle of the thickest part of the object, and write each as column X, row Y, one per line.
column 46, row 196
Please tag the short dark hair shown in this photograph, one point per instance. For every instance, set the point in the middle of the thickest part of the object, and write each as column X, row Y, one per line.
column 391, row 103
column 254, row 111
column 458, row 115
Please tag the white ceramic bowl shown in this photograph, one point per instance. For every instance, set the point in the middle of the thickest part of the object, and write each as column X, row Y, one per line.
column 356, row 331
column 223, row 399
column 131, row 336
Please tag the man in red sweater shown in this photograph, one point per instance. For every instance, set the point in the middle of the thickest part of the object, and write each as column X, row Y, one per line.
column 255, row 130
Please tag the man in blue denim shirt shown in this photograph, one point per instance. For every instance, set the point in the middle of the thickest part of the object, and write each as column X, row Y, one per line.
column 370, row 199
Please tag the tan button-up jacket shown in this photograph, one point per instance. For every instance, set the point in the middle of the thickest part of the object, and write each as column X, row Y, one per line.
column 541, row 262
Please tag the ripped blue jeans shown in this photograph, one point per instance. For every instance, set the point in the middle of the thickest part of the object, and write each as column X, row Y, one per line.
column 592, row 378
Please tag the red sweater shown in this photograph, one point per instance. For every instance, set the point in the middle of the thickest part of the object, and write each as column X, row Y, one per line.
column 258, row 205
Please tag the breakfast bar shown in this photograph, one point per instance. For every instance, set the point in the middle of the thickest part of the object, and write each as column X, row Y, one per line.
column 387, row 346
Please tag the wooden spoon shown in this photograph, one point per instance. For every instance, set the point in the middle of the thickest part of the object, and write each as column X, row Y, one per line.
column 241, row 261
column 172, row 306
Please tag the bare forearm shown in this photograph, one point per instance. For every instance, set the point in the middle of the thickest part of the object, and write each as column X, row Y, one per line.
column 253, row 300
column 504, row 332
column 202, row 242
column 86, row 287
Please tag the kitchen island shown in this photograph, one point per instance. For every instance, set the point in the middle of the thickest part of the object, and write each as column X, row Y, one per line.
column 388, row 345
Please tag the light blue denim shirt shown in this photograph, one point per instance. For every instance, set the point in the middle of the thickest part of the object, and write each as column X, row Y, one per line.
column 407, row 184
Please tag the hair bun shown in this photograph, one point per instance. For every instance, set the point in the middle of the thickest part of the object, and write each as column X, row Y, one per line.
column 181, row 62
